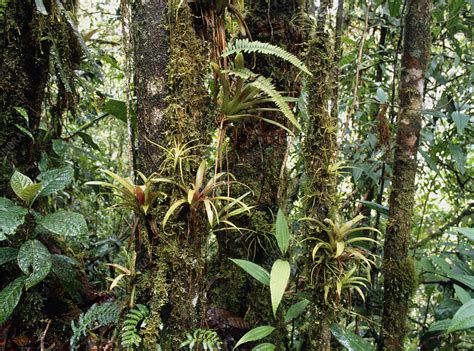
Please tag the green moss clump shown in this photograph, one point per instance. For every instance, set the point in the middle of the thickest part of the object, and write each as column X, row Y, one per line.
column 403, row 274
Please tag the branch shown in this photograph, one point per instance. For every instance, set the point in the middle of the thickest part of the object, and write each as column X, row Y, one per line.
column 469, row 210
column 86, row 126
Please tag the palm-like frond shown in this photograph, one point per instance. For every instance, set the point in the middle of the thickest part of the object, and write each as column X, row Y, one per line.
column 244, row 45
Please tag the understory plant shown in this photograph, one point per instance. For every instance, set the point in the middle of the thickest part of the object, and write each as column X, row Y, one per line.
column 25, row 230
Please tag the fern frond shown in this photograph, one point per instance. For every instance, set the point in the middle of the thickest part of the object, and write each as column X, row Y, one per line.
column 205, row 339
column 244, row 45
column 98, row 315
column 266, row 86
column 134, row 320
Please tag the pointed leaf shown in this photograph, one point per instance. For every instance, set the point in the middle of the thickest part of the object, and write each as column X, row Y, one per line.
column 254, row 270
column 11, row 216
column 463, row 318
column 255, row 334
column 282, row 232
column 35, row 261
column 279, row 277
column 65, row 223
column 350, row 340
column 55, row 180
column 462, row 294
column 264, row 347
column 295, row 310
column 9, row 298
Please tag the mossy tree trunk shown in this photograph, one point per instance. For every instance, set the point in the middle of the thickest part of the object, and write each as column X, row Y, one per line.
column 398, row 270
column 257, row 160
column 173, row 105
column 24, row 70
column 319, row 153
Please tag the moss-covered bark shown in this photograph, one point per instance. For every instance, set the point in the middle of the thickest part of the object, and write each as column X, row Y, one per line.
column 24, row 69
column 173, row 104
column 399, row 275
column 319, row 153
column 256, row 160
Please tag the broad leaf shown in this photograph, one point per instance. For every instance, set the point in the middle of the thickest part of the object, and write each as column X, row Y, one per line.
column 375, row 206
column 464, row 317
column 40, row 7
column 441, row 325
column 254, row 270
column 116, row 108
column 461, row 120
column 279, row 277
column 350, row 340
column 35, row 261
column 64, row 223
column 467, row 232
column 462, row 294
column 296, row 310
column 55, row 180
column 7, row 254
column 11, row 216
column 264, row 347
column 282, row 232
column 458, row 156
column 255, row 334
column 9, row 298
column 467, row 280
column 24, row 187
column 381, row 96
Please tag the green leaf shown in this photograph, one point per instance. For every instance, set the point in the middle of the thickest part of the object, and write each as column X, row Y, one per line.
column 462, row 294
column 11, row 216
column 55, row 180
column 65, row 223
column 264, row 347
column 9, row 298
column 8, row 254
column 381, row 96
column 116, row 108
column 24, row 187
column 282, row 232
column 25, row 131
column 350, row 340
column 34, row 260
column 467, row 280
column 295, row 310
column 254, row 270
column 23, row 113
column 63, row 267
column 441, row 325
column 255, row 334
column 461, row 120
column 40, row 7
column 467, row 232
column 375, row 206
column 463, row 318
column 279, row 277
column 244, row 45
column 458, row 156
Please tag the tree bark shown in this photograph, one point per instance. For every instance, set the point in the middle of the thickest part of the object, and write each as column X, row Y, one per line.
column 319, row 153
column 257, row 160
column 24, row 68
column 173, row 105
column 398, row 269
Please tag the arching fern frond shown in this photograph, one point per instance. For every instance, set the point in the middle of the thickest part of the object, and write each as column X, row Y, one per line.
column 244, row 45
column 266, row 86
column 98, row 315
column 134, row 321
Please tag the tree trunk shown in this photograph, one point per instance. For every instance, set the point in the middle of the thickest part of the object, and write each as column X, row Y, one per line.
column 24, row 68
column 173, row 105
column 257, row 160
column 319, row 153
column 398, row 269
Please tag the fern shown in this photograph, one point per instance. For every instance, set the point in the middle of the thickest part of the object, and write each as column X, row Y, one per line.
column 207, row 339
column 244, row 45
column 266, row 86
column 98, row 315
column 134, row 320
